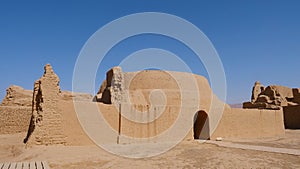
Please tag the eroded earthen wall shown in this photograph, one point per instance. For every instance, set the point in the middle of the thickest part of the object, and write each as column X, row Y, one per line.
column 17, row 96
column 14, row 119
column 111, row 90
column 46, row 121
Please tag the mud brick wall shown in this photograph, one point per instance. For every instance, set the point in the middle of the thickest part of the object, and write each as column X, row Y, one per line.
column 46, row 126
column 250, row 123
column 14, row 119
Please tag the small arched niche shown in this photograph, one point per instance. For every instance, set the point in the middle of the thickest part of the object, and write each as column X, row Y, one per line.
column 201, row 125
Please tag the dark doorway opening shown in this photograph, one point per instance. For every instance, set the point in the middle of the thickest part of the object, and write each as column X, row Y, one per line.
column 201, row 126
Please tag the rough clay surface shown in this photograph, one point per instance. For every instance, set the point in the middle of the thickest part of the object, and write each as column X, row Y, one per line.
column 54, row 119
column 272, row 97
column 149, row 92
column 17, row 96
column 15, row 110
column 46, row 122
column 80, row 152
column 111, row 90
column 277, row 98
column 14, row 119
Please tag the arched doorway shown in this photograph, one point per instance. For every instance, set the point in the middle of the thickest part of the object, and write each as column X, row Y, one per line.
column 201, row 126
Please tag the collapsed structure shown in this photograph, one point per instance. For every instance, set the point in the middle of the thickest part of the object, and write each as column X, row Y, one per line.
column 277, row 98
column 147, row 106
column 46, row 120
column 139, row 98
column 272, row 97
column 17, row 106
column 17, row 96
column 15, row 110
column 46, row 113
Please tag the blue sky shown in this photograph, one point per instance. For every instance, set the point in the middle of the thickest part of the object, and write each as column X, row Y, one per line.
column 256, row 40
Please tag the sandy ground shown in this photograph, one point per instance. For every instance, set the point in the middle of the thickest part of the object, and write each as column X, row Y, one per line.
column 290, row 140
column 190, row 154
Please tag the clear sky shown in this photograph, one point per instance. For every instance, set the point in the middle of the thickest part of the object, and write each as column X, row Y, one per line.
column 256, row 40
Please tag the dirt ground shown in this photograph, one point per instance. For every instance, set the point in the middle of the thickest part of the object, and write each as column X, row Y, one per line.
column 290, row 140
column 190, row 154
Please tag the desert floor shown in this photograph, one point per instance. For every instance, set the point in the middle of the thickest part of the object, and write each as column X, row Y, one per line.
column 188, row 154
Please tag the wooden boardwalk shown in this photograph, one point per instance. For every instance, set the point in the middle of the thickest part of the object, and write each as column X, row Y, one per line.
column 25, row 165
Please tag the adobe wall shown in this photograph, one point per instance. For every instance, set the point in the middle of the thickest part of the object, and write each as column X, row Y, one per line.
column 292, row 117
column 140, row 124
column 111, row 89
column 14, row 119
column 250, row 123
column 152, row 101
column 46, row 126
column 235, row 123
column 17, row 96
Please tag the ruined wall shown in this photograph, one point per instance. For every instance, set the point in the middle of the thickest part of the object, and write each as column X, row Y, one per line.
column 154, row 101
column 278, row 98
column 117, row 84
column 272, row 97
column 46, row 121
column 250, row 123
column 111, row 89
column 14, row 119
column 15, row 110
column 151, row 102
column 17, row 96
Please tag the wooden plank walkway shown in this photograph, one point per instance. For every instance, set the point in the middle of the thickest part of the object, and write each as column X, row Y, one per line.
column 25, row 165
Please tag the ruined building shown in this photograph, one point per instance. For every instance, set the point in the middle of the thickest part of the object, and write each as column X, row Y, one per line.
column 167, row 96
column 142, row 106
column 46, row 120
column 15, row 110
column 277, row 98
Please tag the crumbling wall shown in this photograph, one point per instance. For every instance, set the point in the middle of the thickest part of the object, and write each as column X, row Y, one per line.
column 15, row 110
column 111, row 90
column 17, row 96
column 256, row 90
column 46, row 120
column 152, row 102
column 14, row 119
column 278, row 97
column 272, row 97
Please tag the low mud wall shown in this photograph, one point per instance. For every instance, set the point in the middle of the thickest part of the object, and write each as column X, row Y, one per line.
column 14, row 119
column 250, row 123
